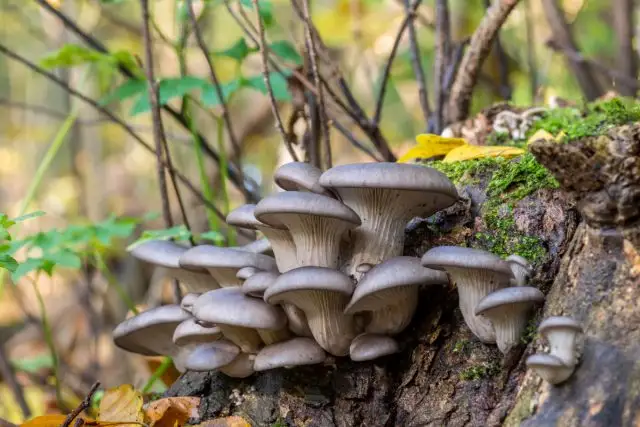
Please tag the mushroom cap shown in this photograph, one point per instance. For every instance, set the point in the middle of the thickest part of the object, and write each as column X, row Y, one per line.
column 393, row 176
column 294, row 352
column 190, row 332
column 240, row 367
column 260, row 246
column 245, row 272
column 544, row 359
column 208, row 256
column 507, row 296
column 522, row 262
column 309, row 279
column 549, row 367
column 301, row 203
column 159, row 252
column 244, row 217
column 258, row 283
column 229, row 306
column 559, row 322
column 294, row 176
column 371, row 346
column 392, row 273
column 188, row 299
column 150, row 333
column 210, row 356
column 441, row 257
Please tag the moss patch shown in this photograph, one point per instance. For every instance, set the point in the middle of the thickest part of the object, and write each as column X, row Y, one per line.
column 521, row 411
column 480, row 371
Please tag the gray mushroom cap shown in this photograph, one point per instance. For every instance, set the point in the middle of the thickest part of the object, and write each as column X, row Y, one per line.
column 190, row 332
column 521, row 269
column 245, row 272
column 188, row 300
column 150, row 333
column 441, row 257
column 240, row 367
column 559, row 322
column 210, row 257
column 260, row 246
column 210, row 356
column 550, row 368
column 562, row 334
column 297, row 176
column 371, row 346
column 244, row 217
column 497, row 300
column 294, row 352
column 258, row 283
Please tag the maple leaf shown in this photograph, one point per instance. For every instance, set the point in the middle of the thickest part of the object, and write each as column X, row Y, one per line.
column 172, row 411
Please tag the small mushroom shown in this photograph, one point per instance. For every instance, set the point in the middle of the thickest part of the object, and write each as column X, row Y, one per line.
column 521, row 269
column 300, row 176
column 223, row 263
column 284, row 250
column 188, row 300
column 150, row 333
column 476, row 273
column 507, row 309
column 164, row 253
column 189, row 332
column 322, row 293
column 240, row 367
column 211, row 356
column 258, row 283
column 562, row 334
column 260, row 246
column 294, row 352
column 316, row 224
column 389, row 293
column 549, row 367
column 245, row 272
column 371, row 346
column 244, row 320
column 386, row 196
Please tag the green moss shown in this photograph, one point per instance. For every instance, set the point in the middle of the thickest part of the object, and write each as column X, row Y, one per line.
column 595, row 119
column 461, row 346
column 530, row 332
column 480, row 371
column 467, row 171
column 520, row 177
column 522, row 409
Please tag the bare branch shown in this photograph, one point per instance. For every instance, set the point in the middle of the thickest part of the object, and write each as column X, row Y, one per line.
column 627, row 60
column 443, row 42
column 531, row 52
column 474, row 57
column 8, row 375
column 85, row 404
column 417, row 66
column 503, row 63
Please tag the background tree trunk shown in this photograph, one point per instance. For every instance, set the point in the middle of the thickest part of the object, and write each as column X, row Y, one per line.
column 590, row 270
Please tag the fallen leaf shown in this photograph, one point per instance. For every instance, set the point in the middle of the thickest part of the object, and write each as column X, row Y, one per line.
column 121, row 405
column 233, row 421
column 468, row 152
column 45, row 421
column 9, row 408
column 430, row 145
column 170, row 411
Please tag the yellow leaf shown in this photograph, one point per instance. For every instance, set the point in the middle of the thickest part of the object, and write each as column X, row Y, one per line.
column 9, row 408
column 430, row 145
column 541, row 135
column 45, row 421
column 172, row 411
column 233, row 421
column 122, row 405
column 468, row 152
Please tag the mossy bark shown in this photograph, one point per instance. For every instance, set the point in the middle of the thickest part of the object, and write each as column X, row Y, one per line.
column 588, row 264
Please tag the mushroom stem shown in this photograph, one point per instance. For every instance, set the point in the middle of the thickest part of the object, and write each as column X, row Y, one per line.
column 246, row 338
column 270, row 336
column 284, row 250
column 396, row 316
column 317, row 239
column 226, row 277
column 508, row 331
column 297, row 320
column 332, row 329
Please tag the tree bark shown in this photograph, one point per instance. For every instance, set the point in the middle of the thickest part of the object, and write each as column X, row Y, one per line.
column 444, row 376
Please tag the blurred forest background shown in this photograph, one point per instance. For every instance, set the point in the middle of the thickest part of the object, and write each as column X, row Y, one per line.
column 98, row 185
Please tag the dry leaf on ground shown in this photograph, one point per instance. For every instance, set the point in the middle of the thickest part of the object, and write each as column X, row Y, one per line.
column 172, row 411
column 468, row 152
column 45, row 421
column 122, row 404
column 233, row 421
column 429, row 146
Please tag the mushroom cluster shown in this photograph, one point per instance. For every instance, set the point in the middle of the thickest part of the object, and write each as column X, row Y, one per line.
column 562, row 334
column 337, row 283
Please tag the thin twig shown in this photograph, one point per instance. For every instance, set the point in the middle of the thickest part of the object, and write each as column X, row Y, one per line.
column 626, row 57
column 9, row 377
column 85, row 404
column 414, row 50
column 286, row 138
column 359, row 145
column 409, row 16
column 531, row 52
column 313, row 59
column 442, row 59
column 503, row 63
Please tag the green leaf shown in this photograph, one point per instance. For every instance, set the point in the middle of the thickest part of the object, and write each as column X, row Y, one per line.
column 126, row 90
column 266, row 10
column 127, row 60
column 71, row 55
column 214, row 236
column 210, row 95
column 29, row 216
column 34, row 364
column 168, row 89
column 179, row 233
column 26, row 267
column 64, row 258
column 8, row 262
column 286, row 51
column 278, row 85
column 238, row 51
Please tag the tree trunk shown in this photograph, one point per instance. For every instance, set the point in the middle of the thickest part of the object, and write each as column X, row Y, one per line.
column 588, row 264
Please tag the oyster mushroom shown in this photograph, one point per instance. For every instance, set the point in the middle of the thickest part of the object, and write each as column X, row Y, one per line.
column 389, row 293
column 507, row 309
column 316, row 224
column 371, row 346
column 284, row 250
column 223, row 263
column 188, row 300
column 260, row 246
column 240, row 367
column 294, row 352
column 476, row 274
column 322, row 293
column 550, row 368
column 521, row 269
column 244, row 320
column 164, row 253
column 386, row 196
column 300, row 176
column 258, row 283
column 211, row 356
column 562, row 333
column 189, row 332
column 245, row 272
